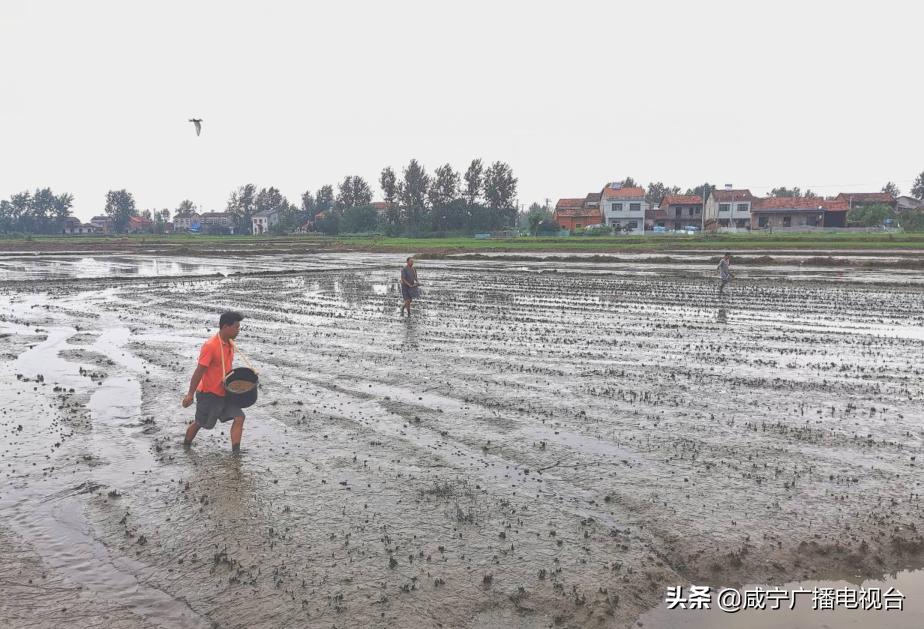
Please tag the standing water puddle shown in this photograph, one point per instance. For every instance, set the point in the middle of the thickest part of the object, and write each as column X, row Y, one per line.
column 48, row 514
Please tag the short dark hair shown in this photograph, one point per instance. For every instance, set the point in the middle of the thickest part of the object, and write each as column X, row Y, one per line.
column 727, row 255
column 229, row 318
column 409, row 258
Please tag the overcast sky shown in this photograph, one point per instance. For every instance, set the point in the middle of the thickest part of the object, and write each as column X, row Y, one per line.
column 96, row 95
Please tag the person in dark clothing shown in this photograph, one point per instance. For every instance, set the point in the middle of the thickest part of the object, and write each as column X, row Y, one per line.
column 409, row 286
column 725, row 274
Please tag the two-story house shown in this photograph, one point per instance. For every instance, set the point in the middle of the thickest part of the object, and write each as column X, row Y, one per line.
column 678, row 211
column 264, row 221
column 217, row 222
column 728, row 209
column 183, row 221
column 102, row 223
column 575, row 214
column 624, row 207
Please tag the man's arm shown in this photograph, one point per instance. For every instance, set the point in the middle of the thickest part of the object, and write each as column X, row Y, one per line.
column 193, row 385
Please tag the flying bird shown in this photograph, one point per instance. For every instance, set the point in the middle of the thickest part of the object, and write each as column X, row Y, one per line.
column 198, row 123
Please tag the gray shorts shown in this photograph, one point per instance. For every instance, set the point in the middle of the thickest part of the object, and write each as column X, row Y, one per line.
column 210, row 408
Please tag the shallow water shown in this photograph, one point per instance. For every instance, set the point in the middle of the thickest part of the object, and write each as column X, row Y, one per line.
column 531, row 447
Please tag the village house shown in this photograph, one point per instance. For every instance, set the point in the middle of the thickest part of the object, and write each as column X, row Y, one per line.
column 102, row 223
column 624, row 208
column 72, row 225
column 592, row 200
column 855, row 200
column 140, row 225
column 728, row 209
column 573, row 214
column 784, row 212
column 908, row 204
column 217, row 221
column 264, row 221
column 678, row 211
column 183, row 221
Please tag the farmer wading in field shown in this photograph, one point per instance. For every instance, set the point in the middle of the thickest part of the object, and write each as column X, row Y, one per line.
column 725, row 274
column 207, row 382
column 409, row 286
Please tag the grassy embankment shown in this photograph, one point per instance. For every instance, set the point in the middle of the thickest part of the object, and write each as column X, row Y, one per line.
column 190, row 244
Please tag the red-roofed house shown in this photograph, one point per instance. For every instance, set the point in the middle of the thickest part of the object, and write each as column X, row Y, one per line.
column 624, row 207
column 798, row 212
column 728, row 208
column 140, row 225
column 574, row 214
column 676, row 211
column 865, row 199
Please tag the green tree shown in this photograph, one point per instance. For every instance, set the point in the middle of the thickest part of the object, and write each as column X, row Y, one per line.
column 242, row 205
column 120, row 207
column 785, row 192
column 6, row 217
column 309, row 207
column 359, row 219
column 353, row 191
column 892, row 189
column 628, row 182
column 159, row 222
column 500, row 186
column 917, row 190
column 345, row 194
column 329, row 224
column 388, row 181
column 443, row 191
column 810, row 195
column 21, row 211
column 869, row 216
column 186, row 206
column 912, row 220
column 701, row 191
column 43, row 204
column 62, row 205
column 324, row 199
column 412, row 194
column 474, row 181
column 445, row 187
column 536, row 215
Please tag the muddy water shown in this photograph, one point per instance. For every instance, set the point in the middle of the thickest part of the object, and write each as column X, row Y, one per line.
column 536, row 445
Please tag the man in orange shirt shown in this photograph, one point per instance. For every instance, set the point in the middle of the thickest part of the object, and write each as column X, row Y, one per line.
column 208, row 383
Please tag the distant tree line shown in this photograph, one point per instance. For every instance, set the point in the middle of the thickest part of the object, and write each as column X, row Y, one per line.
column 483, row 198
column 39, row 212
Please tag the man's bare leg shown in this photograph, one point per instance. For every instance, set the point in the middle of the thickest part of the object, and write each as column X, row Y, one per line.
column 191, row 431
column 237, row 431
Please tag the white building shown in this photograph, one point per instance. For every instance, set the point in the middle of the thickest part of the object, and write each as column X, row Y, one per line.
column 624, row 208
column 264, row 221
column 728, row 209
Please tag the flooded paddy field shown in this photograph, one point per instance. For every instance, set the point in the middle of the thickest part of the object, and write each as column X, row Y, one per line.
column 542, row 444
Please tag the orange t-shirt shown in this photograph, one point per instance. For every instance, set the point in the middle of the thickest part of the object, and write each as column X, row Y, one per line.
column 210, row 358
